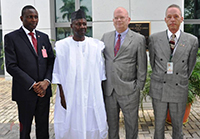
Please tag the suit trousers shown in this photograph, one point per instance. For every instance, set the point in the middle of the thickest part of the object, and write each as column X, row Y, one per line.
column 38, row 108
column 177, row 111
column 129, row 104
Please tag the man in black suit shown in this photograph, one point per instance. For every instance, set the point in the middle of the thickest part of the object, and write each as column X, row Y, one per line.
column 29, row 60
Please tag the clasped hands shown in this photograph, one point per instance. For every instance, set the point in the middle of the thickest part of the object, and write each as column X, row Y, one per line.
column 40, row 88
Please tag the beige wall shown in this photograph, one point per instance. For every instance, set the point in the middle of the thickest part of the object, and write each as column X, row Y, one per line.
column 139, row 10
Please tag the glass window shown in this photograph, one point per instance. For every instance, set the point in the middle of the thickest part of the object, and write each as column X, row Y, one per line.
column 0, row 12
column 193, row 29
column 192, row 16
column 192, row 9
column 63, row 10
column 86, row 6
column 63, row 32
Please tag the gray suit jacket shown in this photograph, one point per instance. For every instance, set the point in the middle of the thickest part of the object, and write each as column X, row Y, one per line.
column 126, row 71
column 171, row 87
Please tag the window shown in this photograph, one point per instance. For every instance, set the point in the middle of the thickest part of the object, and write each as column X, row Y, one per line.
column 63, row 10
column 192, row 9
column 192, row 17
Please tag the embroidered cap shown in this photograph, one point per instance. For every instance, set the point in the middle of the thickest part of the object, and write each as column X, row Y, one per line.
column 79, row 14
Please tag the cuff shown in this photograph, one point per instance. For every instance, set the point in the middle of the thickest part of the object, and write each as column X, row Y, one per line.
column 31, row 86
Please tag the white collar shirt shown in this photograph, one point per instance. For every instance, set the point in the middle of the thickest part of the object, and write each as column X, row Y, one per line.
column 27, row 33
column 177, row 34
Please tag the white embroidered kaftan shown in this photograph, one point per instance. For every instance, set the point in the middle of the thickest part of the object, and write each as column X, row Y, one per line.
column 79, row 68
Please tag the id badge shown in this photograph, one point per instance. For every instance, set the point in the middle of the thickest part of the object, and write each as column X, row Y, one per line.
column 44, row 52
column 169, row 67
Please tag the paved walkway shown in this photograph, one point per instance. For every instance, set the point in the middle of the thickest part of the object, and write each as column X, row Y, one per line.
column 9, row 125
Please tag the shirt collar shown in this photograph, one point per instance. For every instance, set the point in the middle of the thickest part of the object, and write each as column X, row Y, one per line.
column 178, row 33
column 122, row 34
column 27, row 31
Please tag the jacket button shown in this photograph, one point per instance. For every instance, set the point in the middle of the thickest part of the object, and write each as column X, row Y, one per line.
column 165, row 72
column 161, row 59
column 177, row 73
column 164, row 82
column 176, row 84
column 183, row 61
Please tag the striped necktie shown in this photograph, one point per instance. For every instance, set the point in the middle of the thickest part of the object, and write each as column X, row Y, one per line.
column 172, row 42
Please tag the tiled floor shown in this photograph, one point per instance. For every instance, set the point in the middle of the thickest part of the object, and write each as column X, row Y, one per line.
column 9, row 125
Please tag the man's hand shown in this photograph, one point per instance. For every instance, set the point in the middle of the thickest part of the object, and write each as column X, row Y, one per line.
column 62, row 97
column 40, row 88
column 42, row 94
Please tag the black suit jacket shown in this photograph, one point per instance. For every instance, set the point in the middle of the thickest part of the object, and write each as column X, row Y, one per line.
column 25, row 66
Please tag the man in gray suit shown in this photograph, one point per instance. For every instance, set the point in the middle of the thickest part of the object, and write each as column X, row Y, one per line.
column 126, row 74
column 172, row 60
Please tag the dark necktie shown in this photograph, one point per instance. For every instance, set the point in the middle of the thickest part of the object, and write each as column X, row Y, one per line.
column 34, row 41
column 117, row 46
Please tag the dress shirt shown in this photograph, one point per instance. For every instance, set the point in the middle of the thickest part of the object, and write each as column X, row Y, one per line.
column 29, row 36
column 123, row 35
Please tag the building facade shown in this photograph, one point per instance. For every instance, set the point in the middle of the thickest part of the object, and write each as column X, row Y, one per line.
column 54, row 16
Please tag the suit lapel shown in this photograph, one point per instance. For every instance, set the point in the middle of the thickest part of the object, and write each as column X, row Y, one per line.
column 26, row 39
column 125, row 44
column 112, row 44
column 181, row 47
column 39, row 46
column 164, row 45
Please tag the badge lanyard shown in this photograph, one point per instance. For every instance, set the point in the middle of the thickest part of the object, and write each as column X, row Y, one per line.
column 170, row 63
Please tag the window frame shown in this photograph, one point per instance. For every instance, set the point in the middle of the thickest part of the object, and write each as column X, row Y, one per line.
column 55, row 25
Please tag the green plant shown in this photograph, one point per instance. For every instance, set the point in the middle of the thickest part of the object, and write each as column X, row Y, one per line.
column 145, row 91
column 1, row 57
column 194, row 81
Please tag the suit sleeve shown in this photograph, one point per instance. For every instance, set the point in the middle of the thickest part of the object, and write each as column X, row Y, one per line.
column 12, row 64
column 192, row 57
column 102, row 39
column 142, row 64
column 151, row 52
column 50, row 62
column 102, row 63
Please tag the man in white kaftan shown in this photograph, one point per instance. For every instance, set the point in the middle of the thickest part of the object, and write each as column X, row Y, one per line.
column 79, row 68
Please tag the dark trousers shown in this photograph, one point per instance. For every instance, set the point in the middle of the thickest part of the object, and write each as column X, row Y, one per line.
column 27, row 110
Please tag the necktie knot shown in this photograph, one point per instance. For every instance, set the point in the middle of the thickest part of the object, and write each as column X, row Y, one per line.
column 31, row 34
column 172, row 42
column 173, row 36
column 119, row 35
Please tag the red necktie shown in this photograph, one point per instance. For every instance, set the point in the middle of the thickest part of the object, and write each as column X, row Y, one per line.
column 117, row 46
column 34, row 41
